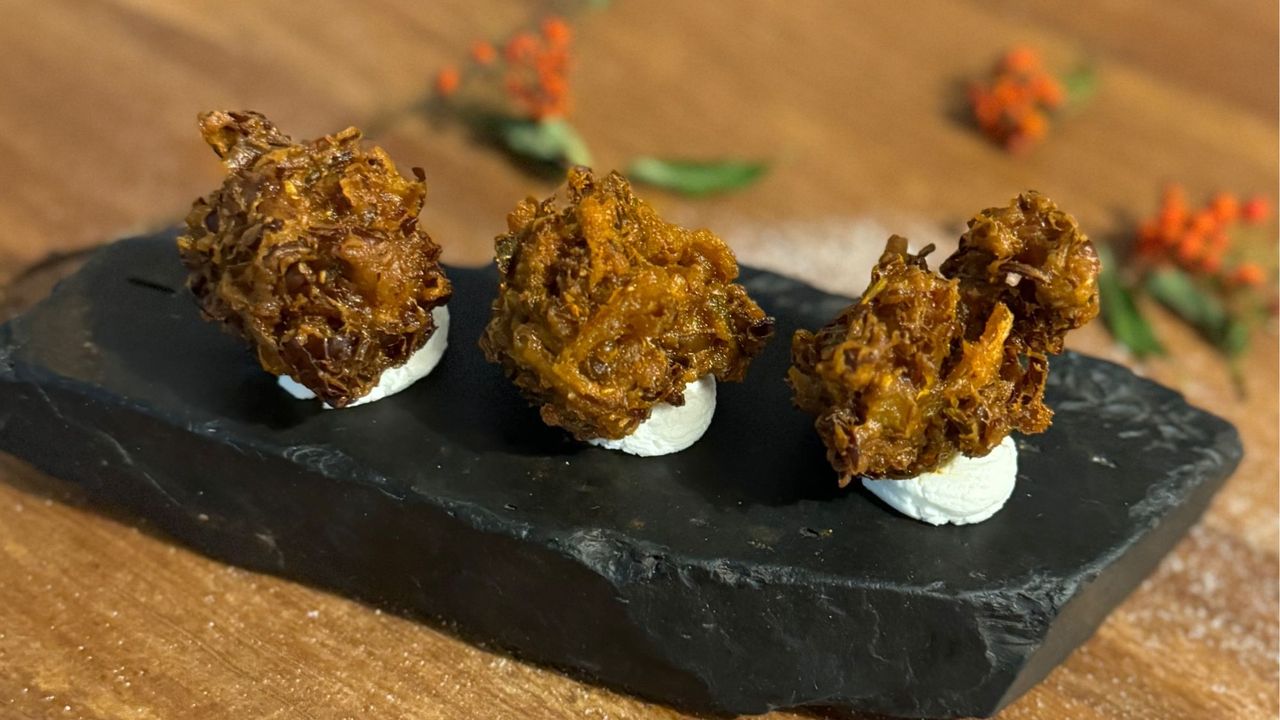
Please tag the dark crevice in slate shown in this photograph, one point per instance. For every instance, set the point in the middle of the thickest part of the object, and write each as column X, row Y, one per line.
column 732, row 577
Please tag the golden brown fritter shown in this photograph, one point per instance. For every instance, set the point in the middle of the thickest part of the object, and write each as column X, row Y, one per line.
column 605, row 309
column 1030, row 239
column 925, row 366
column 312, row 252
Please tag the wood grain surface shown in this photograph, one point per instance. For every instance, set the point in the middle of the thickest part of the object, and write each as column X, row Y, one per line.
column 854, row 102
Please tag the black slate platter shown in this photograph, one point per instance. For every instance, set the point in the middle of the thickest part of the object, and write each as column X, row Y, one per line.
column 730, row 577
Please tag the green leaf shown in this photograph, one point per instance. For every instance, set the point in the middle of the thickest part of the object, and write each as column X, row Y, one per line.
column 1080, row 85
column 1120, row 311
column 1235, row 337
column 1177, row 291
column 553, row 141
column 696, row 177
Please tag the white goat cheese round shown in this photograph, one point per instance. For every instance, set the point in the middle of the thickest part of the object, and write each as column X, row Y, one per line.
column 965, row 490
column 671, row 429
column 393, row 380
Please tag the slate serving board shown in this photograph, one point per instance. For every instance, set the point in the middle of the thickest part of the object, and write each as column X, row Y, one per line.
column 732, row 577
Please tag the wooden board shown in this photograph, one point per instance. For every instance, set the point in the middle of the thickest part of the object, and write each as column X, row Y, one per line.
column 100, row 619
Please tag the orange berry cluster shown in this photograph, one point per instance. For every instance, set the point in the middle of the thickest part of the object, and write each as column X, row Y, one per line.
column 1197, row 241
column 535, row 69
column 1012, row 107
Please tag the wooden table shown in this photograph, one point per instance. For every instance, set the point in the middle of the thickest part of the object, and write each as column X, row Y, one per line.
column 853, row 102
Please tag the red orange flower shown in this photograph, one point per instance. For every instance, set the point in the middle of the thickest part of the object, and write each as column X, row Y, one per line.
column 482, row 52
column 556, row 31
column 534, row 68
column 521, row 47
column 1247, row 274
column 537, row 70
column 1255, row 209
column 447, row 81
column 1199, row 241
column 1012, row 106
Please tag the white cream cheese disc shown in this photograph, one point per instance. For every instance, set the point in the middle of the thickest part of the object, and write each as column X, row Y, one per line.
column 671, row 429
column 966, row 490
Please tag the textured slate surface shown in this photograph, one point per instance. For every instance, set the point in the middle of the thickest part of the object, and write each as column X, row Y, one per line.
column 733, row 576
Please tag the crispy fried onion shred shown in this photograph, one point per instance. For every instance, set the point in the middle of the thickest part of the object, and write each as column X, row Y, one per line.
column 605, row 310
column 925, row 366
column 312, row 252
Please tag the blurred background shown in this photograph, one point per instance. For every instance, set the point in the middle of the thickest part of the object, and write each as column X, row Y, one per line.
column 858, row 105
column 862, row 112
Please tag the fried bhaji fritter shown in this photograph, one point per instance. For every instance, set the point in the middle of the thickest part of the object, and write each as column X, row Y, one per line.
column 1029, row 239
column 925, row 366
column 605, row 310
column 312, row 252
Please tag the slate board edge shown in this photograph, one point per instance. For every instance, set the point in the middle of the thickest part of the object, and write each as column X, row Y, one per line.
column 1037, row 661
column 118, row 482
column 1141, row 560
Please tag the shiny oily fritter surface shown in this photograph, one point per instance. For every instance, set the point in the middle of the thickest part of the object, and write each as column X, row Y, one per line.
column 925, row 366
column 312, row 252
column 605, row 310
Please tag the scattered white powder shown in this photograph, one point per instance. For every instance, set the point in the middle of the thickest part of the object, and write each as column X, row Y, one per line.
column 838, row 253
